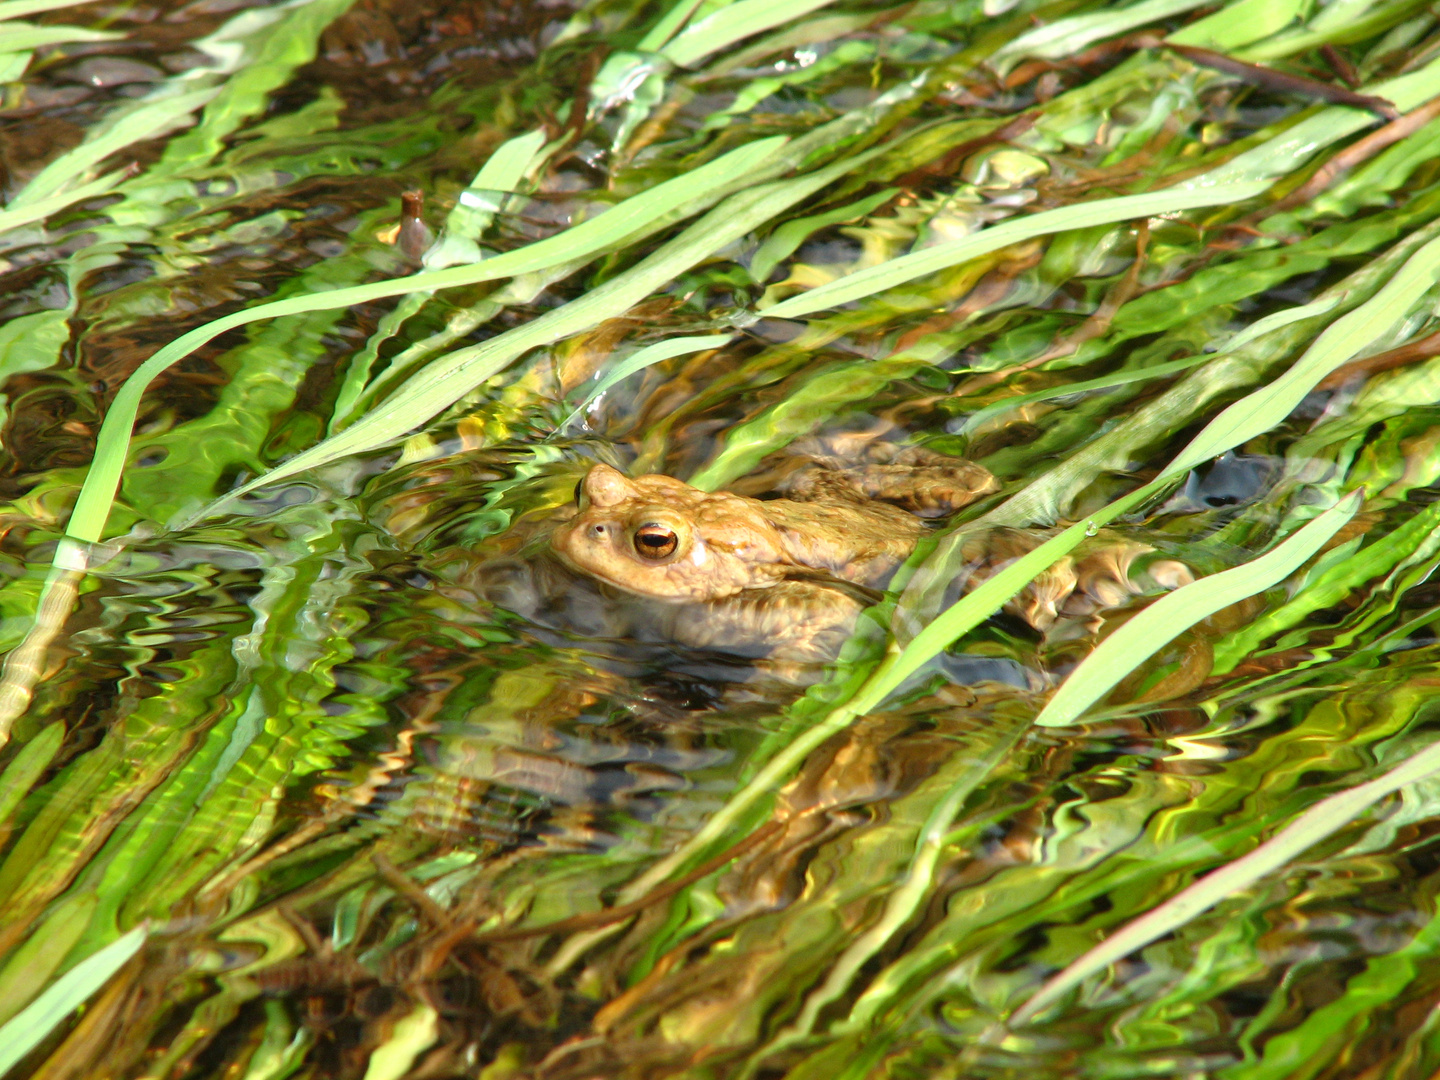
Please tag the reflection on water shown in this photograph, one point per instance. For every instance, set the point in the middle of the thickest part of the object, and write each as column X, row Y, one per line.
column 382, row 777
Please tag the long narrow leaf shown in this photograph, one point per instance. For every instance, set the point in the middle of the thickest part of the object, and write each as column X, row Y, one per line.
column 21, row 37
column 92, row 508
column 1067, row 36
column 731, row 24
column 451, row 378
column 646, row 357
column 1172, row 615
column 1341, row 341
column 28, row 1029
column 1320, row 821
column 1080, row 216
column 43, row 208
column 18, row 9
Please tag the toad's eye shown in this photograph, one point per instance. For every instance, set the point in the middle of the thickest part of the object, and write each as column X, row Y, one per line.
column 655, row 541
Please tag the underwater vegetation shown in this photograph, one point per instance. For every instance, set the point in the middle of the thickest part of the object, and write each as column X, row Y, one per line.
column 314, row 314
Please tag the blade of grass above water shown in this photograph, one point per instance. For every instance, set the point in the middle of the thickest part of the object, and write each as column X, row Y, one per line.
column 669, row 25
column 1065, row 37
column 1159, row 624
column 87, row 521
column 1240, row 24
column 646, row 357
column 1080, row 216
column 22, row 37
column 1317, row 823
column 30, row 1027
column 18, row 9
column 445, row 381
column 732, row 23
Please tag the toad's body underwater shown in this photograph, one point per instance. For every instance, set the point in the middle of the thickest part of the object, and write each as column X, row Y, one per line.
column 787, row 577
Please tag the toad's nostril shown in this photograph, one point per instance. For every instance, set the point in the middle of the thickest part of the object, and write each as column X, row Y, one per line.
column 597, row 531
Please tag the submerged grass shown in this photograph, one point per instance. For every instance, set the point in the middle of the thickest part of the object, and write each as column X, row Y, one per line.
column 265, row 749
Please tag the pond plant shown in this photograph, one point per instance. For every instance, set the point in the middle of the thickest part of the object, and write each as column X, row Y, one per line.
column 315, row 310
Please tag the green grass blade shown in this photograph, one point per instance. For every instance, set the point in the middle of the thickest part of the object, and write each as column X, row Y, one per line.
column 646, row 357
column 29, row 1028
column 13, row 65
column 981, row 417
column 1275, row 320
column 730, row 24
column 786, row 240
column 92, row 508
column 447, row 380
column 1080, row 216
column 477, row 205
column 669, row 24
column 22, row 37
column 43, row 208
column 1240, row 24
column 18, row 9
column 1172, row 615
column 411, row 1036
column 1320, row 821
column 25, row 768
column 1063, row 37
column 1342, row 340
column 148, row 119
column 1330, row 587
column 1044, row 498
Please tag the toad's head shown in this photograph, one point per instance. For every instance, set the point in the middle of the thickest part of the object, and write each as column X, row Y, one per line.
column 659, row 537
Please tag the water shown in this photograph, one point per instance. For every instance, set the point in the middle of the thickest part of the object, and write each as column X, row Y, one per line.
column 374, row 806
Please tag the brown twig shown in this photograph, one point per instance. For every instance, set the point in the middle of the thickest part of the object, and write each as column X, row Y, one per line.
column 1340, row 66
column 1098, row 323
column 1279, row 81
column 401, row 883
column 1355, row 154
column 1415, row 351
column 591, row 919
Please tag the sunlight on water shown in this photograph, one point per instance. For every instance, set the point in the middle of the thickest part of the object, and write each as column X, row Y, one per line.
column 385, row 774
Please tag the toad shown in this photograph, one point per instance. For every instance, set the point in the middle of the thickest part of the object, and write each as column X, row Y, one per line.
column 788, row 576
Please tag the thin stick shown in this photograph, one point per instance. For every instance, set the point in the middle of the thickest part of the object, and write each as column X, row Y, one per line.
column 592, row 919
column 1270, row 79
